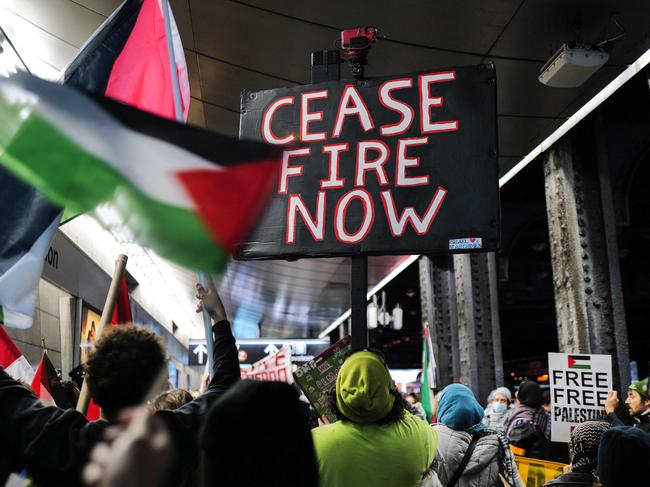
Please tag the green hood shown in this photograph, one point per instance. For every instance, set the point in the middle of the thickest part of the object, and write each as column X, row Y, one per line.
column 363, row 388
column 641, row 386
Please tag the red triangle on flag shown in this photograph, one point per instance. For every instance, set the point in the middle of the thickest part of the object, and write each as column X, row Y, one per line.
column 122, row 310
column 571, row 361
column 229, row 200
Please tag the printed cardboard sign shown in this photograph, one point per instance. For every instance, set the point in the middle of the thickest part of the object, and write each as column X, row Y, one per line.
column 317, row 377
column 394, row 165
column 579, row 385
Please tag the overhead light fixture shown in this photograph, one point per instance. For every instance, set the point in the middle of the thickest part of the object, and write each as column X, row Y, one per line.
column 570, row 67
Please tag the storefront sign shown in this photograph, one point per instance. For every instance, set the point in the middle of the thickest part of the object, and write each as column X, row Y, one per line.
column 382, row 166
column 579, row 386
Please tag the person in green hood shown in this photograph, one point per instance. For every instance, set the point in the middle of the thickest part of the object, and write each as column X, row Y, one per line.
column 376, row 440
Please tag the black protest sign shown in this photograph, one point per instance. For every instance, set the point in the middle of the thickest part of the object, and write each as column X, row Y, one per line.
column 383, row 166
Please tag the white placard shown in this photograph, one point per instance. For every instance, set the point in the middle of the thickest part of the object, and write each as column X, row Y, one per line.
column 579, row 385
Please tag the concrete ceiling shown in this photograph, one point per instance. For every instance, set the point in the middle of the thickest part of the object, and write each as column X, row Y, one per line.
column 232, row 45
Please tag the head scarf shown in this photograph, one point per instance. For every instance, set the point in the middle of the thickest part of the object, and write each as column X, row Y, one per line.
column 363, row 388
column 458, row 409
column 585, row 439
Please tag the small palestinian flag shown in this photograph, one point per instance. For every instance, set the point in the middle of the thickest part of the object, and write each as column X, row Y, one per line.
column 47, row 385
column 12, row 359
column 187, row 193
column 579, row 362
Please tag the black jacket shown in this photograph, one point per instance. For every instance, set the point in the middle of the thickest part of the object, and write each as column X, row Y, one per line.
column 642, row 422
column 572, row 479
column 54, row 444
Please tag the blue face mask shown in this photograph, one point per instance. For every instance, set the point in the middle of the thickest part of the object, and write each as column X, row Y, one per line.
column 499, row 407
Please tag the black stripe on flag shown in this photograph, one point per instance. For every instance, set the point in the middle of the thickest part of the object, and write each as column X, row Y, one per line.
column 25, row 216
column 92, row 67
column 220, row 149
column 580, row 357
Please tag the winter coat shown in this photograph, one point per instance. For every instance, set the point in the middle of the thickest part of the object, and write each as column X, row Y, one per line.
column 483, row 467
column 496, row 421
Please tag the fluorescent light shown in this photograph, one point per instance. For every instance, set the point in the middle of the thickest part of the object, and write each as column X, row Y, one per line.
column 571, row 122
column 391, row 275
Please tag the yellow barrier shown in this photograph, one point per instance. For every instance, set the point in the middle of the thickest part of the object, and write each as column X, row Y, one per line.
column 535, row 473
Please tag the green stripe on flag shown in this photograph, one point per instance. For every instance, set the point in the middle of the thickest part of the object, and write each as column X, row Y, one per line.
column 2, row 315
column 72, row 177
column 586, row 367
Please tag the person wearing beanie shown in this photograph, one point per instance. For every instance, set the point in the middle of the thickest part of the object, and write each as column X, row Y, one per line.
column 623, row 457
column 376, row 441
column 529, row 425
column 461, row 433
column 585, row 439
column 637, row 402
column 498, row 411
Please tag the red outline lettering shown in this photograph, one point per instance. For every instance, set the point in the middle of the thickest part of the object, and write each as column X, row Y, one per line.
column 288, row 171
column 333, row 180
column 306, row 117
column 397, row 228
column 382, row 178
column 423, row 83
column 403, row 162
column 318, row 232
column 271, row 138
column 368, row 207
column 389, row 129
column 338, row 125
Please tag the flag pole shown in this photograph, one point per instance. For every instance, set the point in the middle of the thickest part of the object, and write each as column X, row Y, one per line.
column 107, row 314
column 178, row 109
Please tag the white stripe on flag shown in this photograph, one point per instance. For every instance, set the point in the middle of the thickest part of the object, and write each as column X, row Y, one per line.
column 132, row 154
column 21, row 370
column 18, row 286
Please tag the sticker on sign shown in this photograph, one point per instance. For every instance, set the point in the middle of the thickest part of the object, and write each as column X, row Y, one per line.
column 465, row 243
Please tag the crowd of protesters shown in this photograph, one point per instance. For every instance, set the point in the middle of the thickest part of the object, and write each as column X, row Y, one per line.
column 249, row 433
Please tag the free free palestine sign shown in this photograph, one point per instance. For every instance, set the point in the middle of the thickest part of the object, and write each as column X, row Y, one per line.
column 393, row 165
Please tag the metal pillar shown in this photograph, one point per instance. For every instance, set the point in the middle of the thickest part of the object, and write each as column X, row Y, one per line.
column 438, row 299
column 478, row 363
column 584, row 252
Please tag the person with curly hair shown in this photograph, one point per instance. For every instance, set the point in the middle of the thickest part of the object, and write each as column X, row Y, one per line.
column 376, row 440
column 124, row 355
column 55, row 444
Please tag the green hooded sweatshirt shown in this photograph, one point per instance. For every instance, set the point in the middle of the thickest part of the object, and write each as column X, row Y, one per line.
column 358, row 452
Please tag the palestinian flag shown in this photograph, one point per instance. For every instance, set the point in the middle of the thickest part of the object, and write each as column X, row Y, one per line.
column 12, row 359
column 187, row 193
column 428, row 374
column 28, row 223
column 128, row 59
column 47, row 385
column 579, row 362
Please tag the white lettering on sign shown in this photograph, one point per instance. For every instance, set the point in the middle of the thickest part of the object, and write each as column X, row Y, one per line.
column 579, row 384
